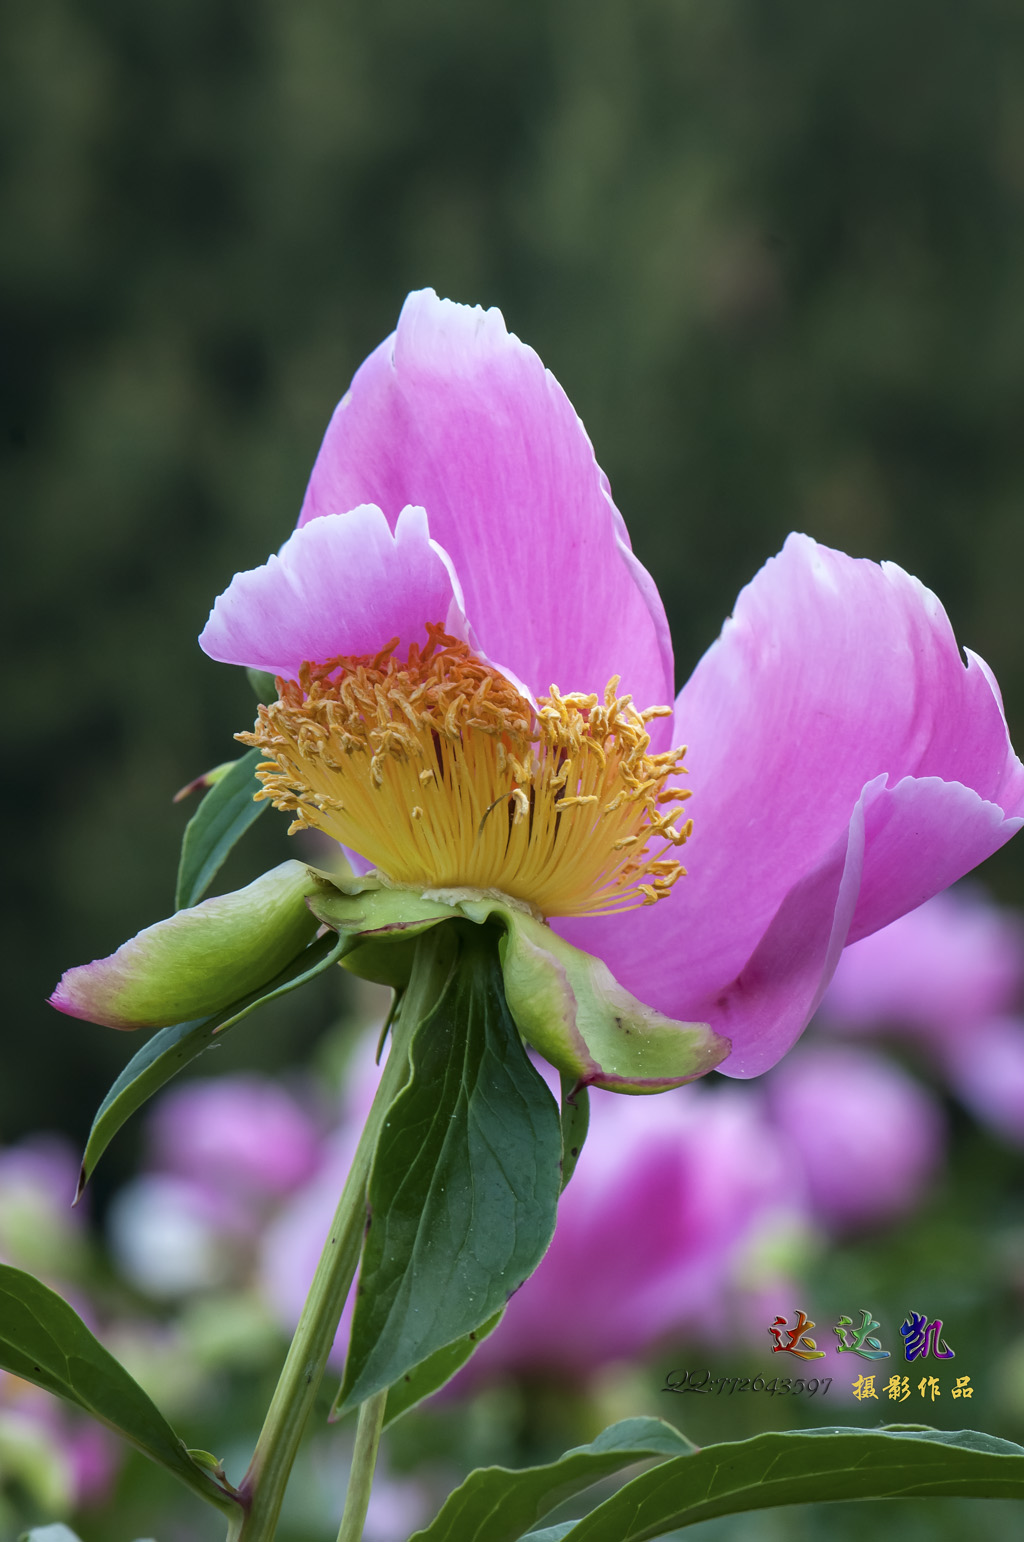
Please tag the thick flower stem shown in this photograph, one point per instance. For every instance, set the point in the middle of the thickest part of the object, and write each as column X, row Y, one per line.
column 364, row 1457
column 262, row 1489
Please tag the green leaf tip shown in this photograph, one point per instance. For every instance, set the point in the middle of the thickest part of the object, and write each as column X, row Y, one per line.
column 218, row 824
column 499, row 1504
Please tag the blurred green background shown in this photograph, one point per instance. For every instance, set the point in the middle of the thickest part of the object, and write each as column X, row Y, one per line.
column 773, row 251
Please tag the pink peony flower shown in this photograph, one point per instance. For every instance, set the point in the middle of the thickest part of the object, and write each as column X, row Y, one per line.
column 846, row 763
column 237, row 1134
column 868, row 1137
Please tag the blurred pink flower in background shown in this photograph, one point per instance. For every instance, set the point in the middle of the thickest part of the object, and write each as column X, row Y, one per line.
column 947, row 976
column 954, row 962
column 240, row 1134
column 39, row 1231
column 868, row 1137
column 223, row 1154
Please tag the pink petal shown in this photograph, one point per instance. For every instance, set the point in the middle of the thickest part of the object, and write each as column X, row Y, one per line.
column 343, row 584
column 846, row 766
column 455, row 414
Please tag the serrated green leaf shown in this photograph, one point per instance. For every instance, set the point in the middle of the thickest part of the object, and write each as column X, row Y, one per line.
column 216, row 827
column 498, row 1504
column 804, row 1467
column 43, row 1341
column 170, row 1050
column 465, row 1178
column 432, row 1374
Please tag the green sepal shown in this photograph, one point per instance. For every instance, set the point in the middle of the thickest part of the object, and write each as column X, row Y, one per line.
column 218, row 824
column 198, row 961
column 498, row 1504
column 43, row 1341
column 805, row 1467
column 565, row 1002
column 465, row 1178
column 173, row 1048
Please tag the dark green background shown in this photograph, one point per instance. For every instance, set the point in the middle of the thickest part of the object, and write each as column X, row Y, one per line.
column 773, row 251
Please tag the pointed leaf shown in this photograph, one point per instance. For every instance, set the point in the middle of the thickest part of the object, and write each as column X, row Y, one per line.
column 217, row 826
column 170, row 1050
column 43, row 1341
column 432, row 1374
column 802, row 1467
column 497, row 1504
column 464, row 1183
column 197, row 961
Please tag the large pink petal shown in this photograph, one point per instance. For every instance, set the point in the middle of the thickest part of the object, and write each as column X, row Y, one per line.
column 341, row 585
column 455, row 414
column 836, row 697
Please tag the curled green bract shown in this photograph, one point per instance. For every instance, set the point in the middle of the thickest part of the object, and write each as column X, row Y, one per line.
column 564, row 1002
column 199, row 960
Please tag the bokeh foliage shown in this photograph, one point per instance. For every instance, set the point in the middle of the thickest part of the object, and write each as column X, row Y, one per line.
column 774, row 252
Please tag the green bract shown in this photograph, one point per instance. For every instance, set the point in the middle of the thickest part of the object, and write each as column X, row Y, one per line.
column 200, row 960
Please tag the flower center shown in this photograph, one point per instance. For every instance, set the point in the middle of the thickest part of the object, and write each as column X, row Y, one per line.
column 442, row 775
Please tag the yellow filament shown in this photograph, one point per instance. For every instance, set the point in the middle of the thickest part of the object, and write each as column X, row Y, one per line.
column 442, row 775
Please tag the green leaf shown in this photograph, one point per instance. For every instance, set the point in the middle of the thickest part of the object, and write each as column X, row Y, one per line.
column 170, row 1050
column 803, row 1467
column 43, row 1341
column 465, row 1178
column 575, row 1119
column 497, row 1504
column 432, row 1374
column 264, row 685
column 217, row 825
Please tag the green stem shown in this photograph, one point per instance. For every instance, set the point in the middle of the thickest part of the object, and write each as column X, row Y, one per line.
column 364, row 1457
column 262, row 1489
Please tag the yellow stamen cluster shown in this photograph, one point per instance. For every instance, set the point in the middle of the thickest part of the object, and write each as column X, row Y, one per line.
column 443, row 776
